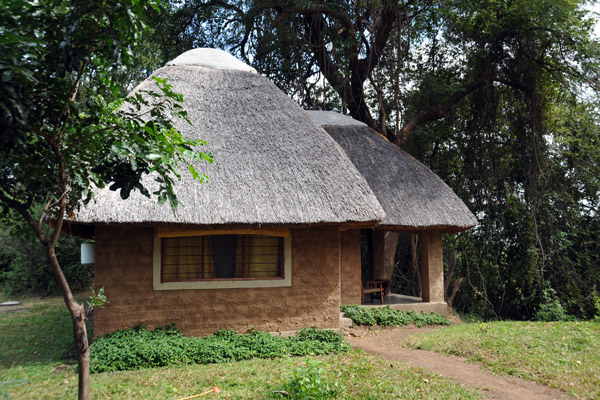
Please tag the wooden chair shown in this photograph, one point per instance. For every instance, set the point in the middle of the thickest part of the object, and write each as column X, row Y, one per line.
column 372, row 287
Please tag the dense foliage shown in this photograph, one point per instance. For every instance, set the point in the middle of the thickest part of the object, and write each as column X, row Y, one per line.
column 387, row 316
column 63, row 113
column 24, row 265
column 136, row 348
column 523, row 156
column 551, row 309
column 536, row 196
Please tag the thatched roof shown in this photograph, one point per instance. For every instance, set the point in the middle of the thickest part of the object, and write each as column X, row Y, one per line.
column 272, row 163
column 412, row 196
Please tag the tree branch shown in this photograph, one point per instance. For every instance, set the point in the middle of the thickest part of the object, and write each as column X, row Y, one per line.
column 381, row 34
column 86, row 137
column 43, row 213
column 62, row 201
column 73, row 91
column 383, row 113
column 329, row 69
column 440, row 112
column 20, row 208
column 510, row 83
column 320, row 9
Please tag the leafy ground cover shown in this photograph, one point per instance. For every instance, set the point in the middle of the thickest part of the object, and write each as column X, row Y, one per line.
column 387, row 316
column 137, row 348
column 563, row 355
column 32, row 366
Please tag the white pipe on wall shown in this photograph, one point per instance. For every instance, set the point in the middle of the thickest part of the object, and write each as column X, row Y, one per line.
column 88, row 253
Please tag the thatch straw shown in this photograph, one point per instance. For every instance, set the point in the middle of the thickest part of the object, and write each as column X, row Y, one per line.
column 273, row 165
column 412, row 196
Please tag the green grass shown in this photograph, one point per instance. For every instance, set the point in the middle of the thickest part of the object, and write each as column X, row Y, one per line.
column 32, row 366
column 39, row 335
column 563, row 355
column 357, row 375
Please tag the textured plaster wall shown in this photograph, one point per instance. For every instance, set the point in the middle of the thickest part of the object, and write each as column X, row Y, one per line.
column 432, row 267
column 351, row 279
column 124, row 268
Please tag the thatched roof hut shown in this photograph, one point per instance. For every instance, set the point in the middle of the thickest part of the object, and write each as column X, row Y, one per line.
column 413, row 197
column 273, row 164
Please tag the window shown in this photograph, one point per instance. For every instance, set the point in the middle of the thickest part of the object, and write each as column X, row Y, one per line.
column 222, row 257
column 198, row 260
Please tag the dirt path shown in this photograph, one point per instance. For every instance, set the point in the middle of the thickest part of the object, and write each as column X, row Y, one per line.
column 385, row 343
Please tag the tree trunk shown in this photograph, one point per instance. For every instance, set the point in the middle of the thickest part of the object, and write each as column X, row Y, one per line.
column 457, row 284
column 450, row 271
column 416, row 279
column 384, row 254
column 79, row 328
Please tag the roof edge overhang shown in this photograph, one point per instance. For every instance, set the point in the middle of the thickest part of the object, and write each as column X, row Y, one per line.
column 431, row 228
column 77, row 228
column 80, row 231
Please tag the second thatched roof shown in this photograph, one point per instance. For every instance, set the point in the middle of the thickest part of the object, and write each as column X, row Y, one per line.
column 413, row 197
column 272, row 163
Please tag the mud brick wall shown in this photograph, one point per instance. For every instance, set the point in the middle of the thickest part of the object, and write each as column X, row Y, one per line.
column 124, row 268
column 350, row 258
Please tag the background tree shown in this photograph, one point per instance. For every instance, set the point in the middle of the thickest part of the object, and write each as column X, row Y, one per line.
column 498, row 97
column 65, row 125
column 506, row 149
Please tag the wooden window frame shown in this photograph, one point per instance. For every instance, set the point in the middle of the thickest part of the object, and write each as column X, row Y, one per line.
column 285, row 266
column 244, row 277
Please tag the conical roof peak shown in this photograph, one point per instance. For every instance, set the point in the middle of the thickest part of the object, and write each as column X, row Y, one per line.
column 211, row 58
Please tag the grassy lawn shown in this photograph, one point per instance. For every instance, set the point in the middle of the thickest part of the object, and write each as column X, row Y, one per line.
column 33, row 344
column 563, row 355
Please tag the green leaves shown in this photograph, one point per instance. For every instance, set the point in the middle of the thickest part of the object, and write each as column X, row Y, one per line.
column 136, row 348
column 309, row 382
column 387, row 316
column 96, row 299
column 551, row 309
column 147, row 142
column 103, row 136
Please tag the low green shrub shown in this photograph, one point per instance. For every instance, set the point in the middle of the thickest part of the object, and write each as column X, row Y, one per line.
column 551, row 309
column 387, row 316
column 359, row 315
column 137, row 348
column 309, row 382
